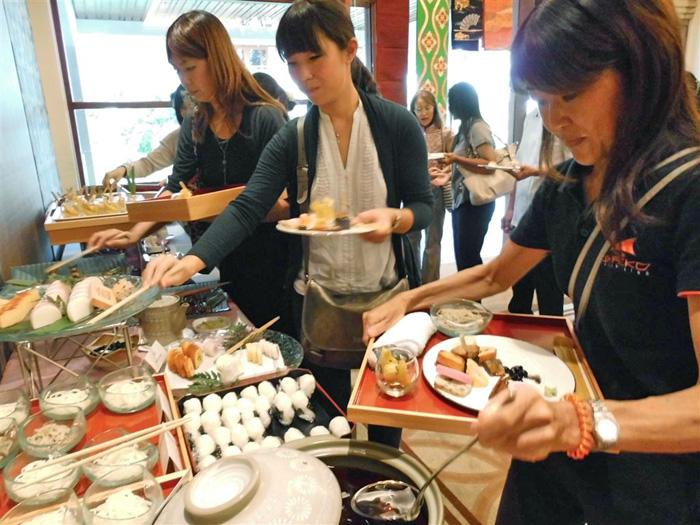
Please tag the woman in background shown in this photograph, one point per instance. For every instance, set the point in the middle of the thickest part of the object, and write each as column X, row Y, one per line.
column 473, row 146
column 439, row 140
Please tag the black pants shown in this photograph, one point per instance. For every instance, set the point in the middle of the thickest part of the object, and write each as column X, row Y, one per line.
column 550, row 300
column 337, row 383
column 469, row 226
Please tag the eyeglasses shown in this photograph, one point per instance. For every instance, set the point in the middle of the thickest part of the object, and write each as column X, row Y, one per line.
column 429, row 109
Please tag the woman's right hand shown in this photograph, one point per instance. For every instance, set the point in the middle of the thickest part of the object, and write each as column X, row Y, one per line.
column 439, row 177
column 168, row 271
column 380, row 319
column 112, row 177
column 112, row 238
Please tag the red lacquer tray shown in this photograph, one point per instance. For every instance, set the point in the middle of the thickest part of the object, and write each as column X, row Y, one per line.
column 423, row 409
column 102, row 419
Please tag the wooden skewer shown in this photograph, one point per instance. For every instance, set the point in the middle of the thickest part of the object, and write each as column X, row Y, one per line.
column 27, row 349
column 77, row 256
column 252, row 335
column 165, row 427
column 117, row 306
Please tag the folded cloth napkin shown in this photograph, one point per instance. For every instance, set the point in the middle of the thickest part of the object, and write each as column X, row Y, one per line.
column 412, row 332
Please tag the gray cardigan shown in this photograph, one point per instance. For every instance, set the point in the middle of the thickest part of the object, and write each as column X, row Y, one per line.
column 403, row 157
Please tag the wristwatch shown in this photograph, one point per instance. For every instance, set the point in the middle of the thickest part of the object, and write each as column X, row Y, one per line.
column 605, row 427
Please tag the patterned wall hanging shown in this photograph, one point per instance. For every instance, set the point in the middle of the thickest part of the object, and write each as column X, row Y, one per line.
column 432, row 29
column 467, row 24
column 498, row 24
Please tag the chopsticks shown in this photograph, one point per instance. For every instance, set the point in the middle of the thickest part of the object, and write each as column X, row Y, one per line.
column 122, row 442
column 252, row 335
column 77, row 256
column 117, row 306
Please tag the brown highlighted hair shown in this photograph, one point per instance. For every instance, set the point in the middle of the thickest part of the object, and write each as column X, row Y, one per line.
column 564, row 45
column 428, row 98
column 199, row 34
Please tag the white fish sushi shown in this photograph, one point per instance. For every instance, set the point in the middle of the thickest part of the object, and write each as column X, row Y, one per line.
column 293, row 434
column 212, row 403
column 339, row 426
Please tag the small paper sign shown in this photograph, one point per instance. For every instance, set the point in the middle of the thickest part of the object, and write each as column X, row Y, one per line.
column 163, row 406
column 169, row 451
column 156, row 356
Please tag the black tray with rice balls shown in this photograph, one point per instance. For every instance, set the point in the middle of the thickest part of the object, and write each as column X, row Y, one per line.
column 320, row 403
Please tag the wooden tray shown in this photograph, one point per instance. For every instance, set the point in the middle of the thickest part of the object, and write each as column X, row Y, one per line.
column 102, row 419
column 193, row 208
column 424, row 409
column 66, row 231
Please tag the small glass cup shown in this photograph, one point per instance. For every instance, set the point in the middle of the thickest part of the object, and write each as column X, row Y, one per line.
column 144, row 454
column 39, row 434
column 55, row 506
column 14, row 404
column 9, row 440
column 24, row 479
column 397, row 370
column 136, row 503
column 127, row 390
column 83, row 394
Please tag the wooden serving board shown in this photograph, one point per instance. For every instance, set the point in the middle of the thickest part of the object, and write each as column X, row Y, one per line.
column 193, row 208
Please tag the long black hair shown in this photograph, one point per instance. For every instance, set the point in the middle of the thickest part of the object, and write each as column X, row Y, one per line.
column 463, row 102
column 564, row 45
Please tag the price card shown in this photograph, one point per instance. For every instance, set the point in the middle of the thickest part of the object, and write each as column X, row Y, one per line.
column 163, row 406
column 168, row 450
column 155, row 357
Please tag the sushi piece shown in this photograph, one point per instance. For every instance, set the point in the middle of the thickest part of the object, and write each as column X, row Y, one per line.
column 80, row 300
column 307, row 384
column 206, row 461
column 247, row 415
column 193, row 406
column 231, row 450
column 281, row 401
column 204, row 445
column 306, row 414
column 271, row 442
column 267, row 389
column 339, row 426
column 251, row 446
column 229, row 400
column 262, row 405
column 17, row 308
column 249, row 392
column 212, row 403
column 211, row 346
column 289, row 385
column 299, row 399
column 319, row 430
column 245, row 404
column 265, row 419
column 193, row 424
column 231, row 416
column 286, row 416
column 210, row 421
column 239, row 435
column 255, row 429
column 222, row 437
column 293, row 434
column 52, row 307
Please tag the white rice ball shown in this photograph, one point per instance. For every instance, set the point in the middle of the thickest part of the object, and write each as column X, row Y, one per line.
column 213, row 403
column 210, row 421
column 267, row 389
column 289, row 385
column 286, row 416
column 229, row 400
column 193, row 406
column 205, row 462
column 230, row 416
column 255, row 428
column 282, row 401
column 271, row 442
column 204, row 445
column 193, row 436
column 193, row 423
column 249, row 392
column 265, row 419
column 251, row 446
column 319, row 430
column 222, row 437
column 262, row 404
column 211, row 346
column 231, row 450
column 293, row 434
column 339, row 426
column 245, row 403
column 307, row 383
column 239, row 435
column 299, row 399
column 247, row 415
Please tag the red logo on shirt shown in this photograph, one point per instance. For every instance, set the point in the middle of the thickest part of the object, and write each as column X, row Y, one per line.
column 622, row 256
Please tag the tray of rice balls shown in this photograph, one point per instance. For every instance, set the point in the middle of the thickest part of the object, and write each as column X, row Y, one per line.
column 458, row 375
column 136, row 452
column 265, row 414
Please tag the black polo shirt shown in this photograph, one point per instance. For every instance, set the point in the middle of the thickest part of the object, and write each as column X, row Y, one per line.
column 636, row 332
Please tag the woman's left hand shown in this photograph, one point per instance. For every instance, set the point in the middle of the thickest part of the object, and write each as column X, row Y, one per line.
column 528, row 427
column 383, row 220
column 167, row 270
column 438, row 177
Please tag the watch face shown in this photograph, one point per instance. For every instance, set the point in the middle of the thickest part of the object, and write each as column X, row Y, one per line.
column 607, row 430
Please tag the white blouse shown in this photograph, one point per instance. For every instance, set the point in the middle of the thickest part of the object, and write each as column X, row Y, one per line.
column 348, row 264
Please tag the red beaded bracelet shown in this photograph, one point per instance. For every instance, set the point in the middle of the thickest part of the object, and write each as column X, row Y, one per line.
column 585, row 426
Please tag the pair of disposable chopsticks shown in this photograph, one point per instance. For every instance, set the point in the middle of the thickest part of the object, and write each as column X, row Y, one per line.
column 80, row 255
column 252, row 335
column 114, row 308
column 121, row 442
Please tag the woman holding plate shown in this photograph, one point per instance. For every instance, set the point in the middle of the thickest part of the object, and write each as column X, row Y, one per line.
column 365, row 153
column 609, row 80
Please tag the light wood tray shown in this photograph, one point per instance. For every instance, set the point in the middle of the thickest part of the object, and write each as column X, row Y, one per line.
column 193, row 208
column 66, row 231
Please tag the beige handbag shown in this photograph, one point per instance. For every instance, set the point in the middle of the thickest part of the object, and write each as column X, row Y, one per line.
column 485, row 188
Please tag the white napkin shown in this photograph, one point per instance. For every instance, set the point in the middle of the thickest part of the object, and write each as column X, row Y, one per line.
column 412, row 332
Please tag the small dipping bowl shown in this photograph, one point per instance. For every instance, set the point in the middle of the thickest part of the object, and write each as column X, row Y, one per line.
column 71, row 392
column 136, row 504
column 63, row 509
column 143, row 454
column 455, row 317
column 14, row 404
column 127, row 390
column 397, row 370
column 210, row 325
column 55, row 431
column 9, row 440
column 22, row 486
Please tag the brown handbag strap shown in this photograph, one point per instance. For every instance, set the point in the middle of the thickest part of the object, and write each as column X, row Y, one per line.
column 588, row 286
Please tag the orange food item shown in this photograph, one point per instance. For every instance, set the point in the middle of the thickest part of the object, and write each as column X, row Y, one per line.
column 193, row 352
column 477, row 373
column 486, row 353
column 451, row 360
column 17, row 308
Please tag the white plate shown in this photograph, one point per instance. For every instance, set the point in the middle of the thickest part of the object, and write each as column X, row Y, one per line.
column 291, row 226
column 511, row 352
column 437, row 156
column 509, row 169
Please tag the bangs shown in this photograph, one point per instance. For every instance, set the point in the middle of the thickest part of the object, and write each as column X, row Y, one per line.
column 185, row 37
column 296, row 36
column 555, row 56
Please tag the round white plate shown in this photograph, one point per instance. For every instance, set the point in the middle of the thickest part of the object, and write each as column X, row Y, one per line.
column 437, row 156
column 511, row 352
column 291, row 226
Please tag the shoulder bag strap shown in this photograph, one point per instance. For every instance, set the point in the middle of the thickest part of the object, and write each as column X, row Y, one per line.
column 303, row 196
column 588, row 287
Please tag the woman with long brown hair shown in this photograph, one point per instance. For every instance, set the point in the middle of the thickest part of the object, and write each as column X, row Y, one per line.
column 620, row 221
column 219, row 145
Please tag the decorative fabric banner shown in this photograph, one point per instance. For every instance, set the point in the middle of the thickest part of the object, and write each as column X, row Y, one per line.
column 467, row 24
column 432, row 29
column 498, row 24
